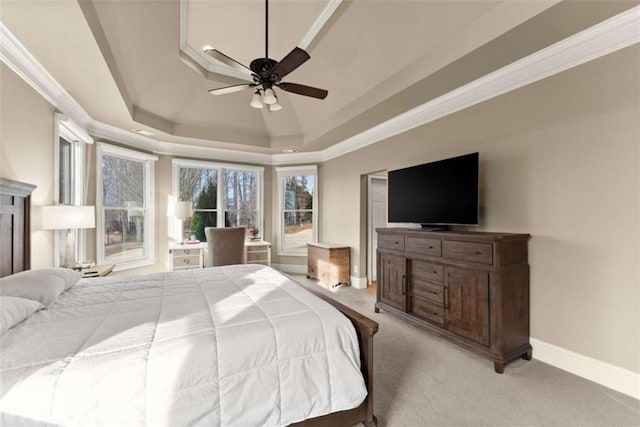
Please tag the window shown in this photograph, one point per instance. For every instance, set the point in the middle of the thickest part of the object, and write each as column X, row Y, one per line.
column 125, row 207
column 68, row 172
column 297, row 201
column 200, row 186
column 222, row 195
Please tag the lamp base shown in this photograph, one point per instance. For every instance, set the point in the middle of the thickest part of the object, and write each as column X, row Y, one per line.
column 69, row 260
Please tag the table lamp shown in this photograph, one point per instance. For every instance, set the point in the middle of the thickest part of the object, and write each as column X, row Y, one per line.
column 65, row 217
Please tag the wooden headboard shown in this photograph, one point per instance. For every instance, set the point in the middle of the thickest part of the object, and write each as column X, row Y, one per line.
column 15, row 204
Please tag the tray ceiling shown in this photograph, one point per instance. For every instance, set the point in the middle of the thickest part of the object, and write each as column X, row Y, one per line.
column 131, row 64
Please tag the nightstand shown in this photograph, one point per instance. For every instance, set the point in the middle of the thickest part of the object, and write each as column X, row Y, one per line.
column 97, row 271
column 257, row 252
column 187, row 257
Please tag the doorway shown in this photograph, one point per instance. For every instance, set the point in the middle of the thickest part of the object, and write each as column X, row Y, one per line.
column 376, row 218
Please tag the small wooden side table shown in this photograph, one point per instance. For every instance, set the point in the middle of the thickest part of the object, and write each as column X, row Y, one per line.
column 329, row 263
column 97, row 271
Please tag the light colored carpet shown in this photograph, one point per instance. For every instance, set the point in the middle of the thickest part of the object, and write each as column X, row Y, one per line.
column 420, row 380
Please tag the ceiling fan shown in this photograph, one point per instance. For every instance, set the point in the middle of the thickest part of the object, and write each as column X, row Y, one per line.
column 266, row 74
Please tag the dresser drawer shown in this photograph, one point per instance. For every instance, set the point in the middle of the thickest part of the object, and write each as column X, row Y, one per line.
column 186, row 261
column 427, row 310
column 427, row 271
column 388, row 241
column 257, row 256
column 469, row 251
column 261, row 248
column 185, row 252
column 424, row 246
column 430, row 291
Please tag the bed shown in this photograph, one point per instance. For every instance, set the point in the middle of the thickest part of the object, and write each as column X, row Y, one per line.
column 236, row 345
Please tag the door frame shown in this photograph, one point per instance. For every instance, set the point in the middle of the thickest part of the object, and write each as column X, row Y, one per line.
column 371, row 252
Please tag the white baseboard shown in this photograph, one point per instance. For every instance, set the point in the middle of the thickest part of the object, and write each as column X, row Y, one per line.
column 611, row 376
column 359, row 282
column 291, row 268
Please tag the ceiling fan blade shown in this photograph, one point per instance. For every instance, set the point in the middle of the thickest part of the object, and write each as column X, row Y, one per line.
column 313, row 92
column 293, row 60
column 216, row 54
column 231, row 89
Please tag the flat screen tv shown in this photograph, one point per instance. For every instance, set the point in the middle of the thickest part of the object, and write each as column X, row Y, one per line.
column 436, row 194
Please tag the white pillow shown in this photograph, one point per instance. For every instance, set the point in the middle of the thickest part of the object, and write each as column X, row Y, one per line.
column 14, row 310
column 43, row 285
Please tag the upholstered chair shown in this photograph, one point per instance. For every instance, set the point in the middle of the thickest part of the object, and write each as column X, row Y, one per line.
column 226, row 245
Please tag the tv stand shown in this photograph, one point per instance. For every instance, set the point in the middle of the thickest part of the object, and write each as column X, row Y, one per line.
column 431, row 227
column 471, row 288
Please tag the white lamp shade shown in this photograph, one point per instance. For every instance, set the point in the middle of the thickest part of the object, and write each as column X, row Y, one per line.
column 62, row 217
column 183, row 210
column 256, row 100
column 269, row 97
column 275, row 107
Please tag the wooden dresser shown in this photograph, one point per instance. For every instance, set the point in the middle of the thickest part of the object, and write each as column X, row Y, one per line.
column 329, row 263
column 469, row 287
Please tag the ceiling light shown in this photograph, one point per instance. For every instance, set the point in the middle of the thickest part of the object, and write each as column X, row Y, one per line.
column 256, row 101
column 269, row 96
column 275, row 106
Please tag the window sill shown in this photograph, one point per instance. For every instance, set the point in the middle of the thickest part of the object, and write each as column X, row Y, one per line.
column 290, row 253
column 133, row 264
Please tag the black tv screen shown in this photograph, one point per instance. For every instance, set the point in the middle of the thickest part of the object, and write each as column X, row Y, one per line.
column 440, row 193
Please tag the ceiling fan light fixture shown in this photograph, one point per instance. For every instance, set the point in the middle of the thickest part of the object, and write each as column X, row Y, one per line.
column 275, row 107
column 269, row 96
column 256, row 100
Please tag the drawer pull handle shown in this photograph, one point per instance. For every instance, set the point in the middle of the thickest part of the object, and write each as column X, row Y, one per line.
column 397, row 243
column 430, row 247
column 478, row 253
column 187, row 252
column 187, row 261
column 404, row 284
column 435, row 272
column 446, row 298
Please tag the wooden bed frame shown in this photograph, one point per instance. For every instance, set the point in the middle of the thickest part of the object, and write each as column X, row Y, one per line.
column 15, row 256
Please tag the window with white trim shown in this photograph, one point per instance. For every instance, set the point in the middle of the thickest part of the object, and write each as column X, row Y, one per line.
column 222, row 195
column 68, row 182
column 298, row 212
column 125, row 207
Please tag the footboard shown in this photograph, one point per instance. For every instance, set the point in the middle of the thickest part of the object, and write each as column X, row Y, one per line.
column 366, row 329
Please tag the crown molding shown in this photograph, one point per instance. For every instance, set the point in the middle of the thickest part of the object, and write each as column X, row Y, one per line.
column 613, row 34
column 19, row 59
column 319, row 23
column 141, row 142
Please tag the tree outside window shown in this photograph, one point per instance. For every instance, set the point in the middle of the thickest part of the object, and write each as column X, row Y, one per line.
column 239, row 196
column 298, row 189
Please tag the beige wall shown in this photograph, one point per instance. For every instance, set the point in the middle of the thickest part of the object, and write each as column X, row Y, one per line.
column 559, row 160
column 26, row 121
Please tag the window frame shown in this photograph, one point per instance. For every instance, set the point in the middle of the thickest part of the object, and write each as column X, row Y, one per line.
column 281, row 173
column 67, row 130
column 148, row 160
column 219, row 167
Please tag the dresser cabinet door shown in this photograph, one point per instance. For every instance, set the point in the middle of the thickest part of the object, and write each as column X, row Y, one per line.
column 467, row 304
column 392, row 280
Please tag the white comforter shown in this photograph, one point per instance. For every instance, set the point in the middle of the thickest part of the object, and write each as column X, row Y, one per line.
column 225, row 346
